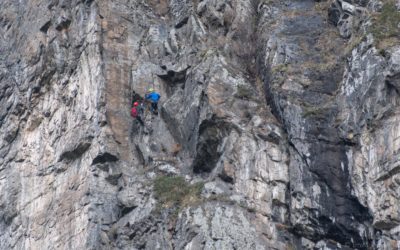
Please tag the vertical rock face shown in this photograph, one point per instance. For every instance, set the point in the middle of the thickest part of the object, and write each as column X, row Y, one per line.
column 303, row 72
column 277, row 126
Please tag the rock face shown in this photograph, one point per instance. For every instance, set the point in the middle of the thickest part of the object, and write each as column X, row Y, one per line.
column 279, row 121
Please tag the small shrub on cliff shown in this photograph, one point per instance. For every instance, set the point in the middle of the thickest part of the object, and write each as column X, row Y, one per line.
column 174, row 191
column 280, row 68
column 322, row 7
column 385, row 25
column 355, row 40
column 310, row 111
column 243, row 92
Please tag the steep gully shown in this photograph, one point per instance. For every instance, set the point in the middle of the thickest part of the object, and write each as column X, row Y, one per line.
column 317, row 151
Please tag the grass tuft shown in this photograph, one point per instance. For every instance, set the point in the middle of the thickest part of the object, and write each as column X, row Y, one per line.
column 175, row 192
column 311, row 111
column 385, row 25
column 244, row 92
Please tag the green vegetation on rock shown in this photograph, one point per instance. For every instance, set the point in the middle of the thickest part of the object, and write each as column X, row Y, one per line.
column 385, row 25
column 174, row 191
column 244, row 92
column 311, row 111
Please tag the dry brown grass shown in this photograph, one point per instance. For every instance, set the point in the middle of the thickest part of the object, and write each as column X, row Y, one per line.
column 282, row 227
column 385, row 25
column 175, row 149
column 159, row 6
column 354, row 41
column 322, row 7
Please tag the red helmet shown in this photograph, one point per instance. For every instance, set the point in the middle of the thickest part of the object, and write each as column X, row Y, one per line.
column 135, row 104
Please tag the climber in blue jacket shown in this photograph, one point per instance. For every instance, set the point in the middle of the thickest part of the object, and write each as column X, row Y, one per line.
column 153, row 97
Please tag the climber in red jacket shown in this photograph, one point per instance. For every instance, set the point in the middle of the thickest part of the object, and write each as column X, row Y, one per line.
column 136, row 112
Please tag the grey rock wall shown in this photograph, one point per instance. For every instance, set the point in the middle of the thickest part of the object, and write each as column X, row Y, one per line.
column 283, row 112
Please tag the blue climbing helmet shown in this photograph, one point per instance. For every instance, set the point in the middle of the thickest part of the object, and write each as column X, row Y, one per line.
column 154, row 97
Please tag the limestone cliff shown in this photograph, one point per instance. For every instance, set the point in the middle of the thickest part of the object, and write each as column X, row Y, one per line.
column 278, row 124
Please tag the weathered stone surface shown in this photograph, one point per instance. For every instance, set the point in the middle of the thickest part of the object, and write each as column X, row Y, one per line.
column 285, row 113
